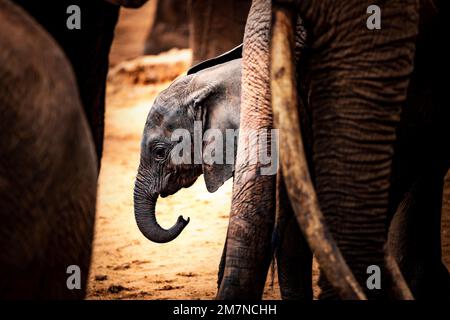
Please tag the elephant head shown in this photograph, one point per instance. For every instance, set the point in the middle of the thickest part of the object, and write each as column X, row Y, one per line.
column 172, row 148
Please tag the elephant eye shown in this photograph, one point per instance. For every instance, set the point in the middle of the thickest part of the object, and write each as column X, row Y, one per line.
column 159, row 153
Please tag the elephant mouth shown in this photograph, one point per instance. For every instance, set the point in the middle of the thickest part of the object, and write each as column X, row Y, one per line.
column 178, row 179
column 172, row 189
column 167, row 186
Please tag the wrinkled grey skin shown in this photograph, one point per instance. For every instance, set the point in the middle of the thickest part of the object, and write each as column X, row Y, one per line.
column 210, row 96
column 48, row 173
column 354, row 113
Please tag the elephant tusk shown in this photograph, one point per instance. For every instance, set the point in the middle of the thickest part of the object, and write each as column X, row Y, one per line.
column 399, row 286
column 293, row 161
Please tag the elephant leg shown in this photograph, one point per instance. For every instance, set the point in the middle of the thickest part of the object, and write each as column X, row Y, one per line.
column 87, row 49
column 415, row 239
column 216, row 26
column 221, row 265
column 170, row 28
column 356, row 108
column 294, row 258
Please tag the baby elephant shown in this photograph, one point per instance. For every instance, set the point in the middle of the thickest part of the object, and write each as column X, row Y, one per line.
column 180, row 123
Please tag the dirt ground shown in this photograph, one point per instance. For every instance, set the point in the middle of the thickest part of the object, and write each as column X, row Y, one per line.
column 126, row 265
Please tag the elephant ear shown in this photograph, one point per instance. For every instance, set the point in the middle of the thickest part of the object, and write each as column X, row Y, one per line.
column 234, row 53
column 215, row 174
column 219, row 142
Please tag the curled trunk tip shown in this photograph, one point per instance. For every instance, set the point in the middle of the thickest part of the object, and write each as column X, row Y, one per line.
column 144, row 212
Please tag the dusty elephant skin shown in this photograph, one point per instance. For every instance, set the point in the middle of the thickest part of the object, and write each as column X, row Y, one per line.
column 294, row 166
column 352, row 154
column 48, row 174
column 198, row 97
column 248, row 251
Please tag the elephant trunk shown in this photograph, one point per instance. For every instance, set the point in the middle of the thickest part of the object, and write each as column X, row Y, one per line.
column 293, row 161
column 144, row 211
column 252, row 215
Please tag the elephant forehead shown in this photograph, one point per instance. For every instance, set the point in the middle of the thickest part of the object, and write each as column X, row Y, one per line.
column 157, row 134
column 177, row 92
column 169, row 118
column 167, row 127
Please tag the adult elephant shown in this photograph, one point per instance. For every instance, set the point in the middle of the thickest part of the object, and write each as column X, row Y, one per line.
column 87, row 48
column 356, row 82
column 48, row 174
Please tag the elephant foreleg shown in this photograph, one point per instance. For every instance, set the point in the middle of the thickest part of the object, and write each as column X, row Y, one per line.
column 222, row 265
column 292, row 253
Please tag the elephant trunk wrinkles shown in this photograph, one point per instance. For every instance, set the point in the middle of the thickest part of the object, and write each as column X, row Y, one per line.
column 355, row 112
column 248, row 252
column 298, row 182
column 144, row 211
